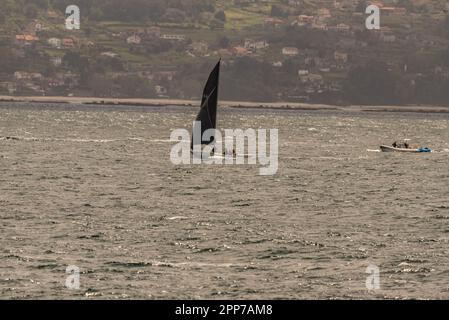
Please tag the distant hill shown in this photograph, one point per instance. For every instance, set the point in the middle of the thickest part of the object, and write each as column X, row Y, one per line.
column 289, row 50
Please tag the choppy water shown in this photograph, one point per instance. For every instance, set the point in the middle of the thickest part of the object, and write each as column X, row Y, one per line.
column 95, row 188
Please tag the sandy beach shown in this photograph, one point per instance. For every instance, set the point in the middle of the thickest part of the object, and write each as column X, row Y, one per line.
column 230, row 104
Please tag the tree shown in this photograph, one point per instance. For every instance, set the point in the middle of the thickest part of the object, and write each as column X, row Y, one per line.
column 31, row 11
column 371, row 84
column 445, row 26
column 277, row 11
column 361, row 6
column 444, row 57
column 174, row 15
column 42, row 4
column 223, row 42
column 216, row 24
column 101, row 86
column 221, row 15
column 8, row 61
column 134, row 87
column 74, row 60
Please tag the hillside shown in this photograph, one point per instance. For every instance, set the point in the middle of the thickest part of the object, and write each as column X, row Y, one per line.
column 285, row 50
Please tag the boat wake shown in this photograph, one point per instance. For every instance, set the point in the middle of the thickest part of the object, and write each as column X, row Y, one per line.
column 441, row 151
column 168, row 141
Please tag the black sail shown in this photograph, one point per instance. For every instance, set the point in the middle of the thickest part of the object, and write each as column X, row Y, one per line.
column 208, row 112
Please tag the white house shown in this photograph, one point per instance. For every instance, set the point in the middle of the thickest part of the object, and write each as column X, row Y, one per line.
column 303, row 20
column 19, row 75
column 387, row 37
column 290, row 51
column 324, row 13
column 55, row 42
column 341, row 57
column 255, row 45
column 319, row 26
column 199, row 47
column 56, row 61
column 110, row 54
column 175, row 37
column 342, row 27
column 134, row 39
column 160, row 90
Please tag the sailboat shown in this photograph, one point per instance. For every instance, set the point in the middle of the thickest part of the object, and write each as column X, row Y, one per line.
column 207, row 116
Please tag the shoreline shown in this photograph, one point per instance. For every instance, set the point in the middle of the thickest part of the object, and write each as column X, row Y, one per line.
column 229, row 104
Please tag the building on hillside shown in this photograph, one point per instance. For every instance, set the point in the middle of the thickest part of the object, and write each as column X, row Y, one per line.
column 378, row 4
column 303, row 20
column 159, row 76
column 154, row 31
column 340, row 57
column 255, row 45
column 387, row 37
column 198, row 47
column 240, row 51
column 134, row 40
column 393, row 11
column 22, row 75
column 34, row 27
column 68, row 42
column 110, row 54
column 55, row 82
column 173, row 37
column 290, row 51
column 53, row 15
column 9, row 86
column 56, row 61
column 273, row 22
column 316, row 79
column 224, row 52
column 160, row 91
column 319, row 26
column 324, row 13
column 55, row 42
column 342, row 27
column 26, row 38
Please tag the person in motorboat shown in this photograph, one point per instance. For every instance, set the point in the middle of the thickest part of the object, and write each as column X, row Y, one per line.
column 404, row 145
column 229, row 153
